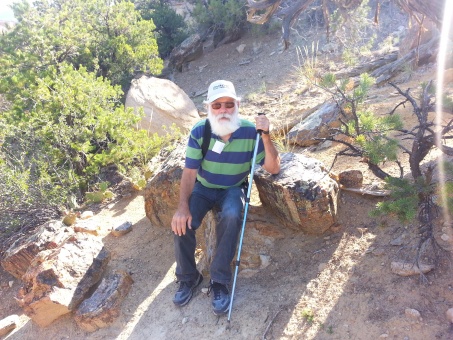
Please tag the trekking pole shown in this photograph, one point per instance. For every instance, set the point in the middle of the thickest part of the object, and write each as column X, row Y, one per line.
column 247, row 200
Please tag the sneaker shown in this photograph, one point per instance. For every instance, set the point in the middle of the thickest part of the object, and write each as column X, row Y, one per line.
column 185, row 291
column 220, row 298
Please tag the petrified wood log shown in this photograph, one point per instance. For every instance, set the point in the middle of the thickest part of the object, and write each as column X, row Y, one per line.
column 18, row 257
column 58, row 279
column 103, row 307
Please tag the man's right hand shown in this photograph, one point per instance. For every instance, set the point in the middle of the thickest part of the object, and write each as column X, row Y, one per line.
column 181, row 220
column 182, row 217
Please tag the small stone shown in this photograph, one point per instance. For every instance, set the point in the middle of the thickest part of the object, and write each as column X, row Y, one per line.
column 445, row 237
column 383, row 335
column 413, row 314
column 378, row 252
column 408, row 269
column 122, row 229
column 240, row 48
column 104, row 306
column 204, row 290
column 450, row 315
column 10, row 283
column 351, row 178
column 369, row 250
column 398, row 241
column 185, row 320
column 265, row 260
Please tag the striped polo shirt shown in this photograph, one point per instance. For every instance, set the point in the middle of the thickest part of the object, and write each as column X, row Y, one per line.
column 232, row 165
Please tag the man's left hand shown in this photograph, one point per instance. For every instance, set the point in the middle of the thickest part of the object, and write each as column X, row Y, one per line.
column 262, row 123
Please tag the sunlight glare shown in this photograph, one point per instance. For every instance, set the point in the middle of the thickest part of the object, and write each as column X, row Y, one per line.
column 144, row 306
column 441, row 62
column 328, row 287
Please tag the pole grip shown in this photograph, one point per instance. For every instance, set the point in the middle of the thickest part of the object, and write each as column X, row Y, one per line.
column 260, row 114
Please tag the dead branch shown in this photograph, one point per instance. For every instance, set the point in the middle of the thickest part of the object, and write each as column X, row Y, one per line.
column 388, row 71
column 418, row 9
column 270, row 323
column 270, row 7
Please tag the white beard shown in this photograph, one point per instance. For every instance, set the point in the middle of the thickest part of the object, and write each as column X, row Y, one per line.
column 223, row 128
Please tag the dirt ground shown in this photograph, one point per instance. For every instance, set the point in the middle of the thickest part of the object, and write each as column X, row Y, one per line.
column 335, row 286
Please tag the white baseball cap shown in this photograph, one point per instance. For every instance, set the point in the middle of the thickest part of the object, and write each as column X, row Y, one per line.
column 221, row 88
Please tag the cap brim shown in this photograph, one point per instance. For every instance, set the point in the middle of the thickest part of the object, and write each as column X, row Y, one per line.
column 220, row 95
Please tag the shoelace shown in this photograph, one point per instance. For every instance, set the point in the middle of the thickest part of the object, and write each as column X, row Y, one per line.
column 217, row 288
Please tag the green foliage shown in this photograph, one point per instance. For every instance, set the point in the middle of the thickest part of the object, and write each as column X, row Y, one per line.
column 379, row 149
column 369, row 131
column 109, row 39
column 354, row 31
column 220, row 15
column 99, row 195
column 328, row 80
column 269, row 27
column 170, row 27
column 308, row 315
column 388, row 43
column 359, row 93
column 77, row 125
column 65, row 120
column 404, row 200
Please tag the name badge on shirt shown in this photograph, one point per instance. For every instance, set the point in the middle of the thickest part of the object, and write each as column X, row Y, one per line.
column 218, row 147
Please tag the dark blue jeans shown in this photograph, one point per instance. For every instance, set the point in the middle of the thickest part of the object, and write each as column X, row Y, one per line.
column 230, row 202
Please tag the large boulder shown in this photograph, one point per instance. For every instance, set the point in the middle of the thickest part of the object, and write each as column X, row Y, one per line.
column 302, row 195
column 163, row 102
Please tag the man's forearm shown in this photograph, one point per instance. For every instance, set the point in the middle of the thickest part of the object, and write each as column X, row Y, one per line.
column 271, row 158
column 186, row 188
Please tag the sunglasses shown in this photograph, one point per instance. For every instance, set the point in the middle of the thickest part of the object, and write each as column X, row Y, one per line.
column 228, row 105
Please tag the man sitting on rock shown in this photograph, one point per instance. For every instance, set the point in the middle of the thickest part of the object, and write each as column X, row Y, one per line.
column 217, row 179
